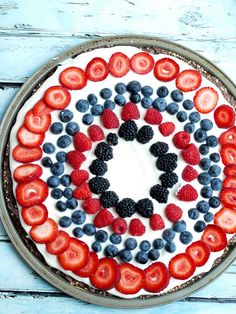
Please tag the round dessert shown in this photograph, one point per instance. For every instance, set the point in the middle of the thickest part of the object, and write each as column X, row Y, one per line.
column 124, row 170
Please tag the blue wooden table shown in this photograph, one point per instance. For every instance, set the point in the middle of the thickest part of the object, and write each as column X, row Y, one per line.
column 31, row 32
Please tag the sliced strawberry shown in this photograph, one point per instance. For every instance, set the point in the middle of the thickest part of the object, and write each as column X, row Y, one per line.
column 107, row 274
column 181, row 266
column 57, row 97
column 228, row 197
column 75, row 257
column 132, row 279
column 166, row 69
column 226, row 219
column 34, row 215
column 25, row 155
column 32, row 193
column 224, row 116
column 27, row 173
column 157, row 277
column 37, row 124
column 215, row 238
column 90, row 267
column 82, row 142
column 228, row 154
column 228, row 137
column 188, row 80
column 119, row 64
column 229, row 182
column 45, row 233
column 29, row 139
column 97, row 70
column 40, row 108
column 199, row 251
column 73, row 78
column 230, row 170
column 142, row 63
column 205, row 99
column 60, row 244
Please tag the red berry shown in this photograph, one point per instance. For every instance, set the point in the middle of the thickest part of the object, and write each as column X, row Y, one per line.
column 40, row 108
column 188, row 80
column 156, row 222
column 81, row 142
column 57, row 97
column 25, row 155
column 119, row 64
column 109, row 119
column 153, row 116
column 79, row 176
column 226, row 219
column 45, row 233
column 230, row 170
column 199, row 251
column 136, row 227
column 34, row 215
column 103, row 218
column 90, row 267
column 142, row 63
column 228, row 137
column 173, row 212
column 27, row 173
column 228, row 154
column 181, row 139
column 229, row 182
column 228, row 197
column 29, row 139
column 75, row 158
column 91, row 205
column 31, row 193
column 167, row 128
column 166, row 69
column 215, row 238
column 187, row 193
column 157, row 277
column 189, row 174
column 97, row 70
column 73, row 78
column 205, row 99
column 130, row 112
column 191, row 154
column 96, row 133
column 224, row 116
column 119, row 225
column 132, row 279
column 37, row 123
column 82, row 192
column 60, row 244
column 181, row 266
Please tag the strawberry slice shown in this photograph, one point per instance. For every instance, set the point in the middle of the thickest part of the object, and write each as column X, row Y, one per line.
column 37, row 123
column 32, row 193
column 224, row 116
column 215, row 238
column 34, row 215
column 27, row 173
column 226, row 219
column 29, row 139
column 199, row 251
column 75, row 257
column 228, row 197
column 40, row 108
column 57, row 97
column 205, row 99
column 228, row 154
column 166, row 69
column 119, row 64
column 188, row 80
column 97, row 70
column 25, row 155
column 142, row 63
column 132, row 279
column 107, row 274
column 90, row 267
column 228, row 137
column 73, row 78
column 60, row 244
column 45, row 233
column 157, row 277
column 230, row 170
column 181, row 266
column 229, row 182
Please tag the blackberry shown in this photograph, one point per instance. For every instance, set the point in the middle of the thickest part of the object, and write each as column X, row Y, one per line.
column 98, row 185
column 159, row 193
column 145, row 207
column 159, row 148
column 168, row 179
column 126, row 207
column 109, row 199
column 128, row 130
column 167, row 162
column 104, row 151
column 112, row 139
column 98, row 167
column 145, row 134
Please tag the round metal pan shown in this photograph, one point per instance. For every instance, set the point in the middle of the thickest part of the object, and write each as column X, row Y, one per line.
column 24, row 93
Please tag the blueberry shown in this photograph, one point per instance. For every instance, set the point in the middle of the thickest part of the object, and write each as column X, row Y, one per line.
column 56, row 128
column 61, row 206
column 216, row 184
column 145, row 245
column 170, row 247
column 203, row 207
column 193, row 213
column 214, row 202
column 57, row 168
column 206, row 124
column 147, row 91
column 146, row 102
column 106, row 93
column 186, row 237
column 212, row 141
column 56, row 193
column 125, row 255
column 96, row 247
column 194, row 117
column 78, row 217
column 82, row 105
column 49, row 148
column 65, row 180
column 141, row 257
column 101, row 236
column 204, row 178
column 71, row 203
column 177, row 95
column 159, row 104
column 172, row 108
column 134, row 87
column 109, row 104
column 153, row 254
column 111, row 250
column 168, row 234
column 200, row 135
column 208, row 217
column 97, row 110
column 65, row 222
column 89, row 229
column 205, row 163
column 120, row 88
column 72, row 128
column 179, row 226
column 53, row 181
column 120, row 100
column 203, row 149
column 162, row 91
column 189, row 127
column 214, row 171
column 87, row 119
column 130, row 244
column 61, row 156
column 199, row 226
column 206, row 192
column 67, row 193
column 115, row 238
column 188, row 104
column 66, row 115
column 215, row 157
column 182, row 116
column 135, row 98
column 92, row 99
column 63, row 141
column 78, row 232
column 46, row 162
column 158, row 244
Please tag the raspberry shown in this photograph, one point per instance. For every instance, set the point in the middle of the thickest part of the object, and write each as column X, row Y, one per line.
column 136, row 227
column 98, row 167
column 159, row 193
column 96, row 134
column 119, row 225
column 156, row 222
column 79, row 176
column 109, row 199
column 91, row 205
column 167, row 162
column 103, row 218
column 159, row 148
column 82, row 192
column 145, row 207
column 75, row 158
column 145, row 134
column 173, row 212
column 130, row 112
column 104, row 151
column 112, row 139
column 187, row 193
column 81, row 142
column 98, row 185
column 189, row 173
column 181, row 139
column 128, row 130
column 153, row 116
column 191, row 154
column 126, row 207
column 109, row 119
column 167, row 128
column 168, row 179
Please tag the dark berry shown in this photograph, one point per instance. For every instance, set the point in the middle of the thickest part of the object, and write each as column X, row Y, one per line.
column 98, row 185
column 168, row 179
column 109, row 104
column 104, row 151
column 212, row 141
column 216, row 184
column 97, row 110
column 61, row 206
column 145, row 134
column 159, row 193
column 109, row 199
column 167, row 162
column 112, row 139
column 208, row 217
column 71, row 203
column 128, row 130
column 204, row 178
column 206, row 192
column 215, row 157
column 159, row 149
column 126, row 207
column 145, row 207
column 214, row 171
column 67, row 193
column 146, row 102
column 98, row 167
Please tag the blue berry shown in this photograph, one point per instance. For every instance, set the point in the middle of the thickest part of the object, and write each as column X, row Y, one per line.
column 179, row 226
column 63, row 141
column 177, row 95
column 204, row 178
column 109, row 104
column 145, row 245
column 203, row 207
column 61, row 206
column 120, row 88
column 72, row 128
column 101, row 236
column 49, row 148
column 182, row 116
column 89, row 229
column 78, row 217
column 215, row 157
column 208, row 217
column 65, row 222
column 168, row 234
column 87, row 119
column 135, row 98
column 159, row 104
column 194, row 117
column 199, row 226
column 147, row 91
column 96, row 247
column 189, row 127
column 212, row 141
column 130, row 244
column 203, row 149
column 162, row 91
column 141, row 257
column 66, row 115
column 158, row 244
column 216, row 184
column 120, row 100
column 92, row 99
column 186, row 237
column 56, row 193
column 46, row 162
column 206, row 192
column 188, row 104
column 214, row 202
column 71, row 203
column 65, row 180
column 200, row 135
column 205, row 163
column 111, row 250
column 78, row 232
column 61, row 156
column 172, row 108
column 56, row 128
column 214, row 171
column 115, row 238
column 82, row 105
column 206, row 124
column 193, row 213
column 125, row 255
column 67, row 193
column 96, row 110
column 106, row 93
column 153, row 254
column 53, row 182
column 134, row 87
column 146, row 102
column 170, row 247
column 57, row 168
